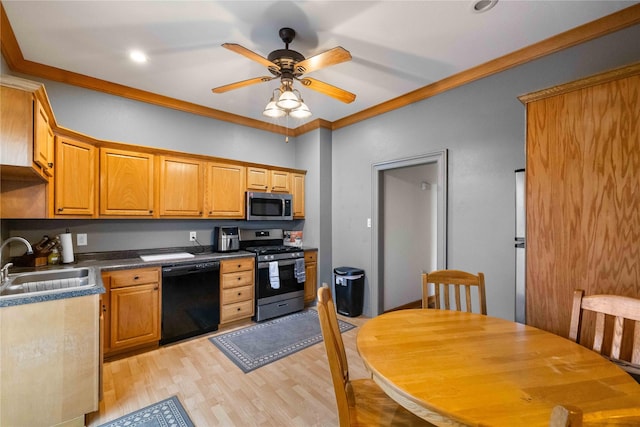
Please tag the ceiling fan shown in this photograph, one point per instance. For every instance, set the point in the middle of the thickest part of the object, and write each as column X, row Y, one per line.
column 289, row 65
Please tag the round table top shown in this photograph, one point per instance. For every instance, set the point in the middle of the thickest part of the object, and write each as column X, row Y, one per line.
column 455, row 368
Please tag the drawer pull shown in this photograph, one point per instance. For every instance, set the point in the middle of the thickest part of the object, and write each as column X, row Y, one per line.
column 136, row 278
column 239, row 309
column 239, row 293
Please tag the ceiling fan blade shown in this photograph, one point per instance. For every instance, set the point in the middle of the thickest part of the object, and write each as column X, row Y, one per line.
column 250, row 54
column 330, row 57
column 327, row 89
column 243, row 83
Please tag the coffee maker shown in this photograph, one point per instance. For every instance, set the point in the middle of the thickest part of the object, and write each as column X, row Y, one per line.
column 226, row 239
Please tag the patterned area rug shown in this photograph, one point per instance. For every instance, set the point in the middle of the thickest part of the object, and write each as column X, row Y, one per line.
column 258, row 345
column 167, row 413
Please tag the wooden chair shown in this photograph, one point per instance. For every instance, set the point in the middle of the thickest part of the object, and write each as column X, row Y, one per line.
column 444, row 281
column 360, row 402
column 613, row 305
column 571, row 416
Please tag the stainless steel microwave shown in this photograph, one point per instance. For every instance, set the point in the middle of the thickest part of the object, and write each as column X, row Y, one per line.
column 269, row 206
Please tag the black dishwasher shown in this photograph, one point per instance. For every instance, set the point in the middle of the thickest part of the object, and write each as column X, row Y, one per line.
column 190, row 300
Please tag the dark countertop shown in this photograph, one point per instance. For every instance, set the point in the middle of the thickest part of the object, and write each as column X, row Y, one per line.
column 110, row 261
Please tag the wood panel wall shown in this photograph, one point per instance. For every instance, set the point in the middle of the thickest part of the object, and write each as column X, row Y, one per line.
column 583, row 198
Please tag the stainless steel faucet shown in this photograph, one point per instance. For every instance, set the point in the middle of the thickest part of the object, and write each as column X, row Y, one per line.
column 4, row 272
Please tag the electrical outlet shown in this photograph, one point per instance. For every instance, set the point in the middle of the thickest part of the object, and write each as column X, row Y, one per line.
column 81, row 239
column 192, row 236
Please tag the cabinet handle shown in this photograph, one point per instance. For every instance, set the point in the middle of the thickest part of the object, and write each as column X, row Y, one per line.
column 50, row 165
column 150, row 211
column 239, row 309
column 239, row 293
column 60, row 209
column 210, row 212
column 155, row 288
column 136, row 277
column 104, row 308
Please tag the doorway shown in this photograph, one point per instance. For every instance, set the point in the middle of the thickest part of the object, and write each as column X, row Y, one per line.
column 409, row 227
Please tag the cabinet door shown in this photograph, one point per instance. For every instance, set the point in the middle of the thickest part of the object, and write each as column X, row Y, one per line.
column 135, row 315
column 126, row 183
column 297, row 184
column 280, row 182
column 258, row 179
column 311, row 274
column 43, row 140
column 75, row 183
column 225, row 190
column 181, row 186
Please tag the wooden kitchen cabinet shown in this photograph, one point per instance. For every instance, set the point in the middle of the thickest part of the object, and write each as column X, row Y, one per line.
column 126, row 183
column 297, row 187
column 43, row 139
column 280, row 182
column 131, row 309
column 225, row 186
column 268, row 180
column 181, row 186
column 236, row 289
column 311, row 274
column 76, row 177
column 258, row 179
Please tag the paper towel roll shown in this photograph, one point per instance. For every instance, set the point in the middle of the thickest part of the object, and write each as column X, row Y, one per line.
column 67, row 247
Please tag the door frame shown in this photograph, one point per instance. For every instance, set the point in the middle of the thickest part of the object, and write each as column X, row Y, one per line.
column 377, row 247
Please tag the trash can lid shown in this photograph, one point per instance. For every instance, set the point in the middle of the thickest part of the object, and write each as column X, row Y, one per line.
column 348, row 271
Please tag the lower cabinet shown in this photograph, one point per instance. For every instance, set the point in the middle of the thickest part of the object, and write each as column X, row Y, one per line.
column 131, row 308
column 236, row 289
column 311, row 273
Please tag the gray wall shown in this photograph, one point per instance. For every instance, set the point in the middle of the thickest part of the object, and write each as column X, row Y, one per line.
column 482, row 124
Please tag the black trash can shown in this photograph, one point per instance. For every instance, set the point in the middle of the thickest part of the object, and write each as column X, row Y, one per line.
column 348, row 286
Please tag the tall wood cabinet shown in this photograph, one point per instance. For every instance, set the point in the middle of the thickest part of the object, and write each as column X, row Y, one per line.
column 75, row 181
column 582, row 194
column 126, row 183
column 131, row 308
column 43, row 150
column 297, row 189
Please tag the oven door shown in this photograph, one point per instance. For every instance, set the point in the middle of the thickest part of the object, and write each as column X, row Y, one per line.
column 287, row 282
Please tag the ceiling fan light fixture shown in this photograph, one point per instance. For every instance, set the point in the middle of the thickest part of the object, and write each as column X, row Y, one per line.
column 302, row 112
column 288, row 100
column 272, row 110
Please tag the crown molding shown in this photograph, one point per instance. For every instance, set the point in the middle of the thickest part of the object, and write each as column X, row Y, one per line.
column 611, row 23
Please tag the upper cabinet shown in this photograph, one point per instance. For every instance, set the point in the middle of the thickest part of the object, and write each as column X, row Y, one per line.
column 75, row 183
column 225, row 184
column 126, row 183
column 180, row 186
column 26, row 133
column 44, row 139
column 258, row 179
column 268, row 180
column 297, row 187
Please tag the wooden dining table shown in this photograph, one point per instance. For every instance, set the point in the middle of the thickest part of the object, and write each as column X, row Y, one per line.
column 456, row 368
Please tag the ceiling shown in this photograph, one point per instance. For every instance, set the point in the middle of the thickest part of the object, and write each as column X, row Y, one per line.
column 396, row 46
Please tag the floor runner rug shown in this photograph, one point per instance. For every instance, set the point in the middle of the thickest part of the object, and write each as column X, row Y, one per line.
column 258, row 345
column 167, row 413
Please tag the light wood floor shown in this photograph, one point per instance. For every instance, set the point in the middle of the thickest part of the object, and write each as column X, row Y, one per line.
column 294, row 391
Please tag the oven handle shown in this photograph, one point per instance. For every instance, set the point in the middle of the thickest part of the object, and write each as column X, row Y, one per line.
column 281, row 263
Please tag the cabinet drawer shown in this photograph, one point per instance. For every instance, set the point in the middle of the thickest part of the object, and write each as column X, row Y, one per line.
column 310, row 256
column 236, row 311
column 236, row 265
column 233, row 280
column 233, row 295
column 134, row 277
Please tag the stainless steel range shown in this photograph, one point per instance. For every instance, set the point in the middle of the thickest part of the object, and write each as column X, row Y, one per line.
column 280, row 273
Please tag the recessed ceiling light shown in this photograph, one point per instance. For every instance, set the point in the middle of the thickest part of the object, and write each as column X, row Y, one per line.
column 481, row 6
column 138, row 56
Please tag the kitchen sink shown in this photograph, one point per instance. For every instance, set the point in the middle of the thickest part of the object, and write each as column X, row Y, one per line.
column 45, row 282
